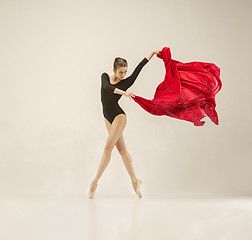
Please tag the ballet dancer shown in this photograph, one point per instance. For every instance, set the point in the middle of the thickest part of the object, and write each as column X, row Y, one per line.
column 112, row 88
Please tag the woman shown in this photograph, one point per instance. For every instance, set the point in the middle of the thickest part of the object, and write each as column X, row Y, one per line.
column 112, row 88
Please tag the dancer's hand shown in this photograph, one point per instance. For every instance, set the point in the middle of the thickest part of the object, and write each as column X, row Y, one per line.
column 129, row 94
column 156, row 51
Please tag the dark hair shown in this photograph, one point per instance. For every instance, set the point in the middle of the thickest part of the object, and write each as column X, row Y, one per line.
column 120, row 62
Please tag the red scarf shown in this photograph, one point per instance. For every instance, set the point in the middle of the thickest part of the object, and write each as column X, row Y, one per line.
column 187, row 92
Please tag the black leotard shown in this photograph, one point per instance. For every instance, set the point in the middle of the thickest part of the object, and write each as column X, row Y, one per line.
column 110, row 99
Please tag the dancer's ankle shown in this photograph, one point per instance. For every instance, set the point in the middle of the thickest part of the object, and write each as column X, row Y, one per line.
column 133, row 179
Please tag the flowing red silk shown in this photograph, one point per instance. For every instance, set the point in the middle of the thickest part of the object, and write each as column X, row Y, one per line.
column 187, row 92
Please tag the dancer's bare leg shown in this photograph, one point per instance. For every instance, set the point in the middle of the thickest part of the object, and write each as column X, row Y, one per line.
column 116, row 130
column 122, row 149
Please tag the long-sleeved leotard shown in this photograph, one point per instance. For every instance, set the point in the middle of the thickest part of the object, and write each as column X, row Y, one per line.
column 110, row 99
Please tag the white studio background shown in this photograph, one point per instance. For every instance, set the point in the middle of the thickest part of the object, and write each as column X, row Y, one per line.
column 52, row 131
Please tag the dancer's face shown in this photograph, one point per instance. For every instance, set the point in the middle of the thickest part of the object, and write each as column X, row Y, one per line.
column 121, row 72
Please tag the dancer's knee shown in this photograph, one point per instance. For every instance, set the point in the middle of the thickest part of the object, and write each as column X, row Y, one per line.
column 122, row 151
column 108, row 148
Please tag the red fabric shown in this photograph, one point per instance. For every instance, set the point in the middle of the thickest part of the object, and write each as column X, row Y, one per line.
column 187, row 92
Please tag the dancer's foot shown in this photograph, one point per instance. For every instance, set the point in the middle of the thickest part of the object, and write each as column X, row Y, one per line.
column 93, row 187
column 136, row 183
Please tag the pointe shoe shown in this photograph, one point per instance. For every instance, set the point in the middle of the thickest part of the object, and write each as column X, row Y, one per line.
column 137, row 190
column 92, row 193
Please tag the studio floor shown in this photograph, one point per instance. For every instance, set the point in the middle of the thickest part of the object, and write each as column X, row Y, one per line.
column 125, row 217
